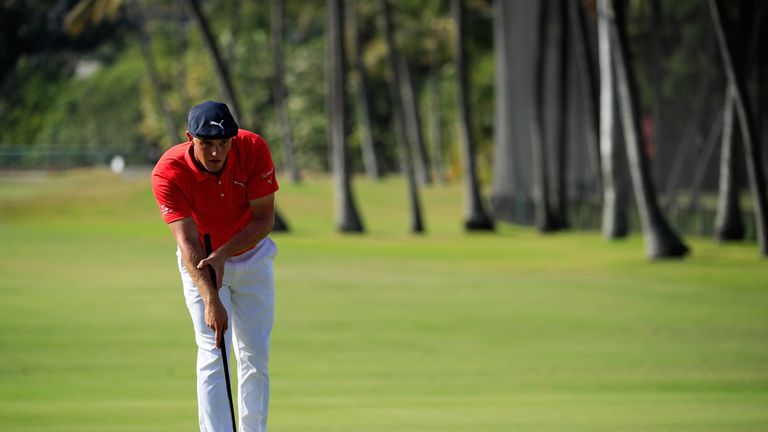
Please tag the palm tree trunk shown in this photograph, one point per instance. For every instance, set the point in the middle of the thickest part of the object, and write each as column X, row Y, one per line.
column 615, row 222
column 560, row 173
column 761, row 84
column 728, row 221
column 544, row 217
column 746, row 121
column 503, row 195
column 413, row 123
column 278, row 86
column 514, row 50
column 280, row 224
column 435, row 122
column 761, row 75
column 370, row 161
column 398, row 111
column 222, row 70
column 657, row 32
column 661, row 241
column 586, row 69
column 703, row 161
column 347, row 217
column 687, row 143
column 476, row 217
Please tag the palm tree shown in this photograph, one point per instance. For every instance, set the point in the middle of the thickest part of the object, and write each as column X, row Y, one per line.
column 398, row 111
column 585, row 66
column 347, row 218
column 476, row 217
column 370, row 161
column 750, row 139
column 661, row 241
column 278, row 86
column 615, row 223
column 436, row 43
column 560, row 172
column 703, row 161
column 657, row 41
column 514, row 46
column 413, row 123
column 728, row 223
column 689, row 142
column 546, row 220
column 436, row 120
column 221, row 67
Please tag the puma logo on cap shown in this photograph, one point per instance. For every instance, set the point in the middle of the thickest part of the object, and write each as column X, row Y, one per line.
column 204, row 116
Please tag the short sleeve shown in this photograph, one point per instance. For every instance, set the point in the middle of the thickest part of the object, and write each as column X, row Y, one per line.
column 174, row 205
column 262, row 180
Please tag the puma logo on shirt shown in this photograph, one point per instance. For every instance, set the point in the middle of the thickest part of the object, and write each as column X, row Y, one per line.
column 164, row 210
column 267, row 175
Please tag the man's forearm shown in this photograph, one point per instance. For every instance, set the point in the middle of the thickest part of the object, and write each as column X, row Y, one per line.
column 252, row 234
column 190, row 256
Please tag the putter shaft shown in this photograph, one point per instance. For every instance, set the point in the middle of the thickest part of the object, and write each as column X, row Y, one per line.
column 222, row 344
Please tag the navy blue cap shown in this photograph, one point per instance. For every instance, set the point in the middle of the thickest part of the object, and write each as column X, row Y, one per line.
column 211, row 120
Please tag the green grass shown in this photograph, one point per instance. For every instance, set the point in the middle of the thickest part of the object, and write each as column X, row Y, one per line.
column 378, row 332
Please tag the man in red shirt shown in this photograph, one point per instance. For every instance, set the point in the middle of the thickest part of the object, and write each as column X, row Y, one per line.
column 222, row 182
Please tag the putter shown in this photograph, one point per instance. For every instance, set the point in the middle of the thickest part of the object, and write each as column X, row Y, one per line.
column 208, row 251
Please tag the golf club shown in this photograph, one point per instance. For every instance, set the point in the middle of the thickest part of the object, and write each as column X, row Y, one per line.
column 208, row 251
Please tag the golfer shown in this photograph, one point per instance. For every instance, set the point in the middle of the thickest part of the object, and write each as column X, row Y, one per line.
column 222, row 182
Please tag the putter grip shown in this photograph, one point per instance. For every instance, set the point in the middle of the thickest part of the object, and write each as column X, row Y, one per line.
column 211, row 271
column 208, row 251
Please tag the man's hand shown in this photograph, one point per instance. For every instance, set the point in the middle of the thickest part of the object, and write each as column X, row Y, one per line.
column 216, row 318
column 215, row 313
column 216, row 261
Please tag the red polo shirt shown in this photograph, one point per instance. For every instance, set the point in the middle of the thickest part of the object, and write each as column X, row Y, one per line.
column 218, row 203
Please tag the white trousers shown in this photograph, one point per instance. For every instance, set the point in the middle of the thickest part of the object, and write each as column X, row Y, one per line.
column 248, row 294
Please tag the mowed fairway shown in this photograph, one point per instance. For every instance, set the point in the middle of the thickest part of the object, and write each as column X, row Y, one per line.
column 379, row 332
